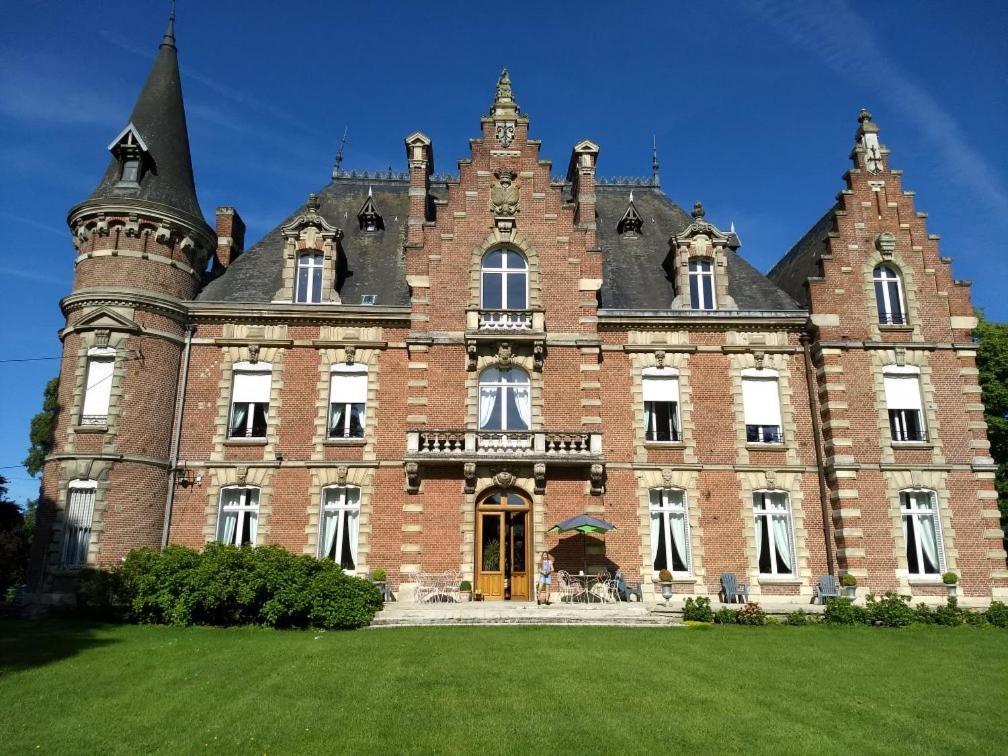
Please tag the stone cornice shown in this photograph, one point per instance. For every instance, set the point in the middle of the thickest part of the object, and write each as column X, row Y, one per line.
column 240, row 312
column 716, row 319
column 132, row 205
column 120, row 297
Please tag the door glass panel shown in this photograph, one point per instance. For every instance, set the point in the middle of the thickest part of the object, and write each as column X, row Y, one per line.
column 518, row 541
column 491, row 543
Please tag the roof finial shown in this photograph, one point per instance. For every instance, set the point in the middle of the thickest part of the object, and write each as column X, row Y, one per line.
column 504, row 103
column 863, row 115
column 698, row 211
column 169, row 35
column 337, row 171
column 654, row 161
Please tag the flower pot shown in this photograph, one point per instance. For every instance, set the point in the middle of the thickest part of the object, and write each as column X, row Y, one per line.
column 666, row 591
column 465, row 595
column 953, row 589
column 850, row 591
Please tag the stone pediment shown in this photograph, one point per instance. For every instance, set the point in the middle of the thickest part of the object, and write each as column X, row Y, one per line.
column 310, row 219
column 107, row 319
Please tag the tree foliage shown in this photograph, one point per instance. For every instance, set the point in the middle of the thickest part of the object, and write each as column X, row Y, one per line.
column 992, row 361
column 43, row 426
column 15, row 541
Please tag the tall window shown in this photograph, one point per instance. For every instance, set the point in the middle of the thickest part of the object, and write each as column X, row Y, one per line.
column 250, row 397
column 98, row 388
column 309, row 278
column 701, row 284
column 661, row 404
column 889, row 296
column 347, row 399
column 77, row 533
column 504, row 399
column 239, row 516
column 761, row 402
column 670, row 534
column 505, row 280
column 922, row 533
column 903, row 400
column 340, row 526
column 774, row 544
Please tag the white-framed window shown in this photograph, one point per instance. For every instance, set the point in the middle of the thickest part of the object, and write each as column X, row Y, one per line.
column 98, row 386
column 774, row 539
column 889, row 295
column 250, row 399
column 347, row 401
column 925, row 551
column 309, row 278
column 661, row 404
column 903, row 401
column 77, row 531
column 701, row 285
column 505, row 280
column 670, row 531
column 761, row 403
column 505, row 399
column 340, row 526
column 238, row 522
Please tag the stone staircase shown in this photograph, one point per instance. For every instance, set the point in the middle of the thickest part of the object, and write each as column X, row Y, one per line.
column 410, row 614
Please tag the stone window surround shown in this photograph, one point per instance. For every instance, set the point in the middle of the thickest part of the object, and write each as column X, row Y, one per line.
column 679, row 361
column 330, row 357
column 525, row 362
column 780, row 362
column 905, row 273
column 313, row 237
column 788, row 483
column 71, row 471
column 239, row 476
column 346, row 476
column 231, row 356
column 900, row 356
column 89, row 340
column 687, row 481
column 513, row 240
column 702, row 248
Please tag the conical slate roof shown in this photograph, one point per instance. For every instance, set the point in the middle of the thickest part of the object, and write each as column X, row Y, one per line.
column 159, row 118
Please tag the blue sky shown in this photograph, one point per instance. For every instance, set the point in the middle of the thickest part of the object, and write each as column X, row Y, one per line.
column 753, row 106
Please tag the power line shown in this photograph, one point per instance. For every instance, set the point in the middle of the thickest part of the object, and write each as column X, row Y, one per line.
column 30, row 359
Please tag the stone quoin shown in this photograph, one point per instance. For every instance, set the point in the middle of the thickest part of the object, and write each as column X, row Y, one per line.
column 422, row 372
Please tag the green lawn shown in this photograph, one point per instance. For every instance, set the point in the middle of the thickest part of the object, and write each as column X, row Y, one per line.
column 78, row 688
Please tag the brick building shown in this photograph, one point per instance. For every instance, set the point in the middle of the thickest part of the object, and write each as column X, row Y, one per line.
column 422, row 372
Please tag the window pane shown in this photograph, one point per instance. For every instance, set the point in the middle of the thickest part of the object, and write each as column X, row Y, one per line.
column 259, row 419
column 661, row 558
column 694, row 292
column 913, row 566
column 895, row 305
column 514, row 415
column 677, row 525
column 880, row 302
column 492, row 291
column 763, row 537
column 337, row 419
column 494, row 260
column 491, row 399
column 302, row 287
column 356, row 421
column 316, row 293
column 516, row 291
column 346, row 550
column 239, row 415
column 708, row 292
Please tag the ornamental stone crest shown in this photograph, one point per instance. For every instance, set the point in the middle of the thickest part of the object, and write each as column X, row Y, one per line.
column 505, row 479
column 504, row 196
column 504, row 355
column 504, row 132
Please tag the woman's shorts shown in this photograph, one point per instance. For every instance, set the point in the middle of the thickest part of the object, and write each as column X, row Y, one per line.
column 545, row 579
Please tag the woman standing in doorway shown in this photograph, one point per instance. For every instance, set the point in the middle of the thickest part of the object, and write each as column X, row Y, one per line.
column 545, row 578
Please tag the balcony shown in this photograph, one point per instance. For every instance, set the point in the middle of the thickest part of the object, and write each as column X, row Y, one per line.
column 509, row 322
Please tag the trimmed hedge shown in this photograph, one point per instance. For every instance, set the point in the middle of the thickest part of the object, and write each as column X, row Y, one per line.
column 228, row 585
column 893, row 610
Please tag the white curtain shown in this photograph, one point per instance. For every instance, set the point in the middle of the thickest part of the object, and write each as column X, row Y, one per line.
column 656, row 524
column 330, row 519
column 677, row 521
column 253, row 526
column 759, row 536
column 229, row 522
column 353, row 522
column 487, row 402
column 782, row 541
column 928, row 541
column 521, row 398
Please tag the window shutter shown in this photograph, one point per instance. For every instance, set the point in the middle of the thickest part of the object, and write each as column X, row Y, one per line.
column 761, row 400
column 348, row 388
column 99, row 386
column 902, row 392
column 661, row 388
column 252, row 387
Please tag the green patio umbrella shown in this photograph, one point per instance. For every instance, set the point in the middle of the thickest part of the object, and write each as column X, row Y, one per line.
column 583, row 524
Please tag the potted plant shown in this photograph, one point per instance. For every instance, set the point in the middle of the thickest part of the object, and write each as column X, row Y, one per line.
column 379, row 578
column 465, row 590
column 951, row 581
column 477, row 595
column 849, row 585
column 665, row 581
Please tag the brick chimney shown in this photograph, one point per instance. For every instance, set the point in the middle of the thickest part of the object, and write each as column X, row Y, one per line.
column 581, row 174
column 420, row 157
column 230, row 236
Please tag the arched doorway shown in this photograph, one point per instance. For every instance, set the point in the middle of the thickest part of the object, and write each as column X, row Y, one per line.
column 503, row 562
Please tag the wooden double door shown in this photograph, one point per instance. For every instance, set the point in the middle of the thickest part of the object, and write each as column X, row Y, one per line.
column 504, row 566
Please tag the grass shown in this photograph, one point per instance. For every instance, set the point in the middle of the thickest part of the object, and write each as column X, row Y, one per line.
column 79, row 688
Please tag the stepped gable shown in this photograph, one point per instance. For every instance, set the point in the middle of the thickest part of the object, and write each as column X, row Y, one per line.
column 634, row 278
column 374, row 259
column 802, row 261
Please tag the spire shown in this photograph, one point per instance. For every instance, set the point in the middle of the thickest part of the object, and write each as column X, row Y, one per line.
column 654, row 161
column 504, row 104
column 867, row 145
column 150, row 157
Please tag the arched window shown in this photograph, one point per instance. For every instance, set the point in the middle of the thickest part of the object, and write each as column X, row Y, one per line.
column 504, row 399
column 340, row 526
column 889, row 296
column 774, row 542
column 505, row 280
column 77, row 532
column 701, row 285
column 238, row 522
column 670, row 533
column 309, row 278
column 922, row 532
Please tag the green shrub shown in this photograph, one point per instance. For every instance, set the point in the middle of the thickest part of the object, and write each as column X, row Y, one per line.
column 99, row 596
column 924, row 614
column 976, row 619
column 725, row 616
column 950, row 614
column 798, row 618
column 997, row 614
column 465, row 585
column 751, row 614
column 892, row 610
column 950, row 578
column 664, row 576
column 843, row 611
column 848, row 580
column 698, row 609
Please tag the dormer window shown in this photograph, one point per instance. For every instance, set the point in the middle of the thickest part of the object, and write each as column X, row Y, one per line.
column 131, row 170
column 701, row 284
column 369, row 218
column 131, row 151
column 631, row 222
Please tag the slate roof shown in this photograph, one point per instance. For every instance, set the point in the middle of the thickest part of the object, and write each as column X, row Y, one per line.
column 374, row 260
column 802, row 260
column 159, row 118
column 633, row 277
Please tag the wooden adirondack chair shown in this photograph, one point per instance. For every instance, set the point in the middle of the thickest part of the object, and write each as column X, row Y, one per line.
column 732, row 590
column 828, row 588
column 625, row 590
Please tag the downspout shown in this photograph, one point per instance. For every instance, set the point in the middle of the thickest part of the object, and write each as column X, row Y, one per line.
column 824, row 501
column 177, row 435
